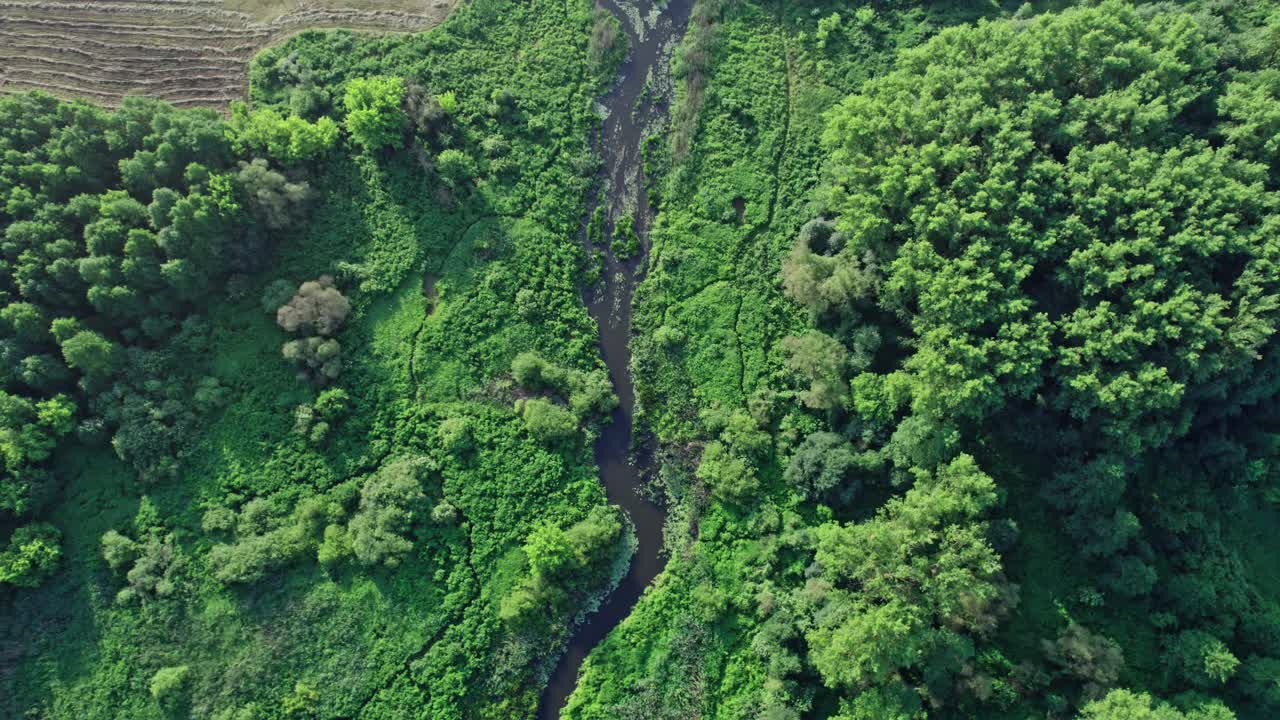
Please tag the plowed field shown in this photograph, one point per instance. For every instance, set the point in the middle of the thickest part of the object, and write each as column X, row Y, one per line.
column 188, row 52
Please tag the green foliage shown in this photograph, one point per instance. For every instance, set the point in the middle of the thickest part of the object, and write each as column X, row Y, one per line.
column 1128, row 705
column 32, row 555
column 821, row 464
column 562, row 564
column 455, row 167
column 1200, row 659
column 374, row 118
column 169, row 685
column 286, row 139
column 1041, row 246
column 389, row 502
column 276, row 200
column 91, row 354
column 546, row 420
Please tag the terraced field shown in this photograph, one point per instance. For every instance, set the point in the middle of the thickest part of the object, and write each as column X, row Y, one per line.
column 188, row 52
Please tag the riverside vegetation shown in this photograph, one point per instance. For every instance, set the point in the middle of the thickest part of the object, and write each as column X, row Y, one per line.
column 955, row 349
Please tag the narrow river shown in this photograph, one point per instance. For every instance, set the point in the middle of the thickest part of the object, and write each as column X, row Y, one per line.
column 635, row 106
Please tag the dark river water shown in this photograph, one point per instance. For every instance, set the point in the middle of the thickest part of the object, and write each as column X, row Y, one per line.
column 635, row 106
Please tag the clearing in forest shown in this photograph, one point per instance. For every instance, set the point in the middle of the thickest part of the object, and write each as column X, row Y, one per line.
column 188, row 52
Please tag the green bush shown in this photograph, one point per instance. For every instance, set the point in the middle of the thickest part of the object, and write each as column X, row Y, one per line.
column 374, row 117
column 546, row 420
column 169, row 686
column 32, row 555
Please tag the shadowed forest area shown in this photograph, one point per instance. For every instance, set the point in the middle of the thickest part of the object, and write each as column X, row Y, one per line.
column 953, row 345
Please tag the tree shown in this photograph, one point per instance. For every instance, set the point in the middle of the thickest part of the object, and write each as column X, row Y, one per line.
column 27, row 322
column 731, row 478
column 289, row 140
column 320, row 358
column 455, row 167
column 530, row 370
column 824, row 275
column 390, row 501
column 91, row 354
column 1128, row 705
column 319, row 310
column 1089, row 656
column 276, row 200
column 374, row 117
column 154, row 573
column 1260, row 680
column 1251, row 118
column 822, row 463
column 1200, row 659
column 427, row 112
column 546, row 420
column 317, row 307
column 909, row 587
column 1058, row 227
column 548, row 550
column 455, row 434
column 818, row 360
column 31, row 556
column 118, row 550
column 276, row 294
column 168, row 686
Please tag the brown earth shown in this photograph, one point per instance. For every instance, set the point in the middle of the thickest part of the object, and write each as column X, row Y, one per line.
column 188, row 52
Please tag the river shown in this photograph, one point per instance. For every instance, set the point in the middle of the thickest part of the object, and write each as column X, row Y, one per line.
column 633, row 108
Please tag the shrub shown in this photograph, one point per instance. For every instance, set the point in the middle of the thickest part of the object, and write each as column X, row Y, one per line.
column 168, row 686
column 730, row 478
column 546, row 420
column 388, row 506
column 455, row 167
column 444, row 513
column 374, row 117
column 455, row 434
column 32, row 555
column 119, row 550
column 821, row 464
column 317, row 308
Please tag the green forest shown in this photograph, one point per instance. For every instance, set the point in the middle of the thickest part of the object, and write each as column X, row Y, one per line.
column 954, row 350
